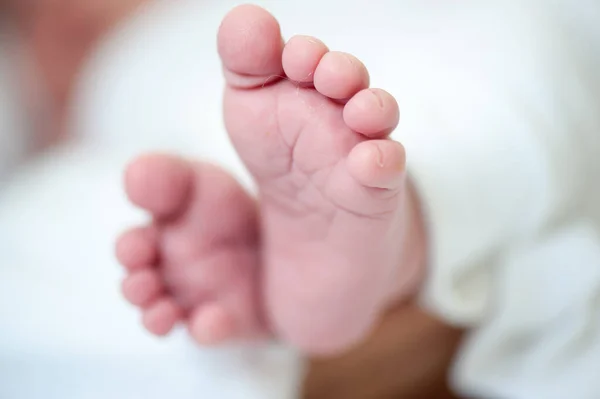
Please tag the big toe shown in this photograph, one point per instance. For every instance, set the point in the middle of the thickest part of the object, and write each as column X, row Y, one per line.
column 250, row 46
column 158, row 183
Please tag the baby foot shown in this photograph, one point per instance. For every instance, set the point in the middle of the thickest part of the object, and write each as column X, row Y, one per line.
column 197, row 261
column 331, row 182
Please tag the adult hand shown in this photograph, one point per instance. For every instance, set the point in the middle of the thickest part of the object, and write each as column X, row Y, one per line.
column 408, row 356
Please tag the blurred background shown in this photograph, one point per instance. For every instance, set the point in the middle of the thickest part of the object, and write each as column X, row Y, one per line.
column 85, row 85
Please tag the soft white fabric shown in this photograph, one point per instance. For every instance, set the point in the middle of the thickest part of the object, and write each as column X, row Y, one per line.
column 543, row 340
column 500, row 118
column 516, row 147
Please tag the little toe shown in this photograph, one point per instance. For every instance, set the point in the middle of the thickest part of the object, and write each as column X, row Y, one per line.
column 378, row 164
column 211, row 324
column 137, row 248
column 250, row 46
column 340, row 75
column 143, row 287
column 372, row 112
column 160, row 317
column 301, row 57
column 158, row 183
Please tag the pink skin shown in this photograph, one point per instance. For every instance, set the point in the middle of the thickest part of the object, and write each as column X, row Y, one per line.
column 333, row 204
column 197, row 261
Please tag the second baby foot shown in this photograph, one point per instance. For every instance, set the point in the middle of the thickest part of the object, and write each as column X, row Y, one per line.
column 197, row 261
column 331, row 182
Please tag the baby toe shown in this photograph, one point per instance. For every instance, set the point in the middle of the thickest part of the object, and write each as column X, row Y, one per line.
column 301, row 56
column 250, row 46
column 340, row 75
column 372, row 112
column 160, row 184
column 160, row 317
column 378, row 164
column 137, row 248
column 211, row 324
column 141, row 288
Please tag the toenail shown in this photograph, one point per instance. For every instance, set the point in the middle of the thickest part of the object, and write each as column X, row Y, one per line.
column 377, row 97
column 351, row 60
column 379, row 156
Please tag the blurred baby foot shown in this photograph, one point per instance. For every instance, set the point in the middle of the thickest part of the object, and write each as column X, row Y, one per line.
column 197, row 262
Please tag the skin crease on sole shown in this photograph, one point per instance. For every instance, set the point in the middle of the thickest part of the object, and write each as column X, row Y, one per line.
column 340, row 234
